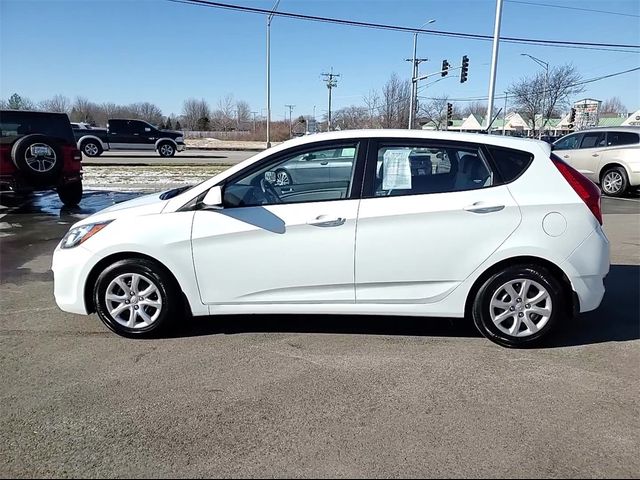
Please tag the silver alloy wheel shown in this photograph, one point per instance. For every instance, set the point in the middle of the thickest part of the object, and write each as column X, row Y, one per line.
column 283, row 178
column 40, row 157
column 133, row 300
column 612, row 182
column 166, row 150
column 91, row 149
column 520, row 308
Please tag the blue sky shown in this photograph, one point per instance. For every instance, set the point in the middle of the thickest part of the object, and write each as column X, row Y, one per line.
column 154, row 50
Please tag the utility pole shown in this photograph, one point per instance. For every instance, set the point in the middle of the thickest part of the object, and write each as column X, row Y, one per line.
column 413, row 106
column 494, row 62
column 254, row 121
column 331, row 80
column 269, row 18
column 290, row 107
column 504, row 115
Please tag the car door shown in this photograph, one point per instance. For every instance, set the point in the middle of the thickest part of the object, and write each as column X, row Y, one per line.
column 121, row 135
column 280, row 244
column 421, row 232
column 587, row 157
column 143, row 135
column 567, row 147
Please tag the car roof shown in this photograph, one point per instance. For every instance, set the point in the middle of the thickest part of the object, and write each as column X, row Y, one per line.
column 623, row 128
column 497, row 140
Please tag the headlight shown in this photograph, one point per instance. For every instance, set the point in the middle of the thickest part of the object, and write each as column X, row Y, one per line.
column 77, row 235
column 179, row 139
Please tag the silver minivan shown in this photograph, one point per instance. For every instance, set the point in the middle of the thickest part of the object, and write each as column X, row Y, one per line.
column 609, row 157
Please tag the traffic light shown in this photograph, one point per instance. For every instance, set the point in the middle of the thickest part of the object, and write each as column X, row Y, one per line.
column 464, row 72
column 572, row 117
column 445, row 68
column 449, row 111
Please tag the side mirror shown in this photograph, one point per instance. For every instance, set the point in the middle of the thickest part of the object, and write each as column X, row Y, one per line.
column 147, row 129
column 213, row 198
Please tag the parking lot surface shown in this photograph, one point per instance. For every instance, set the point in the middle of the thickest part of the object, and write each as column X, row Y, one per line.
column 312, row 396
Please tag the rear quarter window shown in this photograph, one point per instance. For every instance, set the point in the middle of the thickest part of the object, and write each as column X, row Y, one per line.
column 615, row 139
column 510, row 163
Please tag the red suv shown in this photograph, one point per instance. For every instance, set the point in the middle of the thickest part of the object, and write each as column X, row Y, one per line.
column 38, row 152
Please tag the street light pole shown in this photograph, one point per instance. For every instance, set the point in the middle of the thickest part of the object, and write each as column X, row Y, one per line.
column 269, row 18
column 414, row 78
column 544, row 64
column 494, row 63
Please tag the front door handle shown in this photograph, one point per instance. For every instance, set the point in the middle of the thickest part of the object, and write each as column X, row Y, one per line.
column 566, row 156
column 595, row 155
column 327, row 221
column 482, row 207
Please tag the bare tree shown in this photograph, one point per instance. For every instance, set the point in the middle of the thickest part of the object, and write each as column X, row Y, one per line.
column 394, row 108
column 148, row 112
column 58, row 103
column 243, row 114
column 194, row 111
column 224, row 117
column 531, row 98
column 350, row 118
column 475, row 108
column 372, row 104
column 613, row 105
column 434, row 112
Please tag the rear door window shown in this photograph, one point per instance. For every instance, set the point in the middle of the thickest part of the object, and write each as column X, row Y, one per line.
column 570, row 142
column 593, row 140
column 615, row 139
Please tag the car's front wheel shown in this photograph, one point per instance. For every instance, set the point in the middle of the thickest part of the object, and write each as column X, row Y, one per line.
column 166, row 150
column 518, row 306
column 135, row 298
column 614, row 181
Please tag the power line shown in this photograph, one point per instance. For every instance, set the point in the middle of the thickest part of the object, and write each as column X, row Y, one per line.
column 576, row 84
column 529, row 41
column 574, row 8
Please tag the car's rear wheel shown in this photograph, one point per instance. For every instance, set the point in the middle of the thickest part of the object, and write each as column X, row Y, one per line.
column 614, row 181
column 136, row 298
column 166, row 149
column 70, row 194
column 91, row 148
column 518, row 306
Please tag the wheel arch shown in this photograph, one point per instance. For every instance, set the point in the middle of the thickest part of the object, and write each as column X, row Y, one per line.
column 162, row 140
column 572, row 298
column 84, row 138
column 115, row 257
column 610, row 164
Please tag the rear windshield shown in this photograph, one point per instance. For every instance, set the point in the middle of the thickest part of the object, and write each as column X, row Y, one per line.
column 510, row 163
column 18, row 124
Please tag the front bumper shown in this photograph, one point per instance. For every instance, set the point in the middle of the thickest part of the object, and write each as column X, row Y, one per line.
column 70, row 270
column 180, row 147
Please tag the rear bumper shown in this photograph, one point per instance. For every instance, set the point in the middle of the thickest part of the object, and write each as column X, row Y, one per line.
column 588, row 266
column 634, row 179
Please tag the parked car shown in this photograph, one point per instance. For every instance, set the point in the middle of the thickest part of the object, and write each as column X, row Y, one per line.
column 491, row 234
column 609, row 157
column 129, row 135
column 38, row 152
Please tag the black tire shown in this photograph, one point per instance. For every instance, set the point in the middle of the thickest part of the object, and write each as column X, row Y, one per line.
column 91, row 148
column 70, row 194
column 283, row 173
column 482, row 309
column 168, row 293
column 166, row 149
column 39, row 170
column 617, row 188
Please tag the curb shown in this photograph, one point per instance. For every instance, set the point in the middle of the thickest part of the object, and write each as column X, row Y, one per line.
column 140, row 164
column 228, row 149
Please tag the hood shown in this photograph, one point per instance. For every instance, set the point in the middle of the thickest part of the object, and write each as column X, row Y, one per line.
column 145, row 205
column 173, row 132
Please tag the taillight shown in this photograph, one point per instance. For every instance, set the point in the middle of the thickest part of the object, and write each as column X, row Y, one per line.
column 72, row 153
column 585, row 188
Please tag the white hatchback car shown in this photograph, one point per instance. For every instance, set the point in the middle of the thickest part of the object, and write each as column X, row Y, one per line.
column 424, row 224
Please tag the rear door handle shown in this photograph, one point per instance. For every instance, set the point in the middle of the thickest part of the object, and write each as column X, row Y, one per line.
column 482, row 207
column 566, row 156
column 327, row 221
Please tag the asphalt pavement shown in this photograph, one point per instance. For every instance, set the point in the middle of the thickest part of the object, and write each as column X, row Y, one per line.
column 308, row 396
